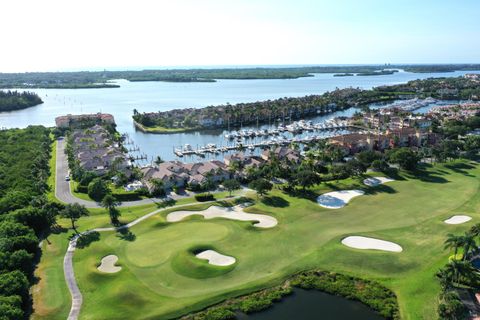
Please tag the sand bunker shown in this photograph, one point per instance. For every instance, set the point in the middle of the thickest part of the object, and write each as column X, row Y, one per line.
column 216, row 258
column 458, row 219
column 338, row 199
column 375, row 181
column 358, row 242
column 233, row 213
column 108, row 264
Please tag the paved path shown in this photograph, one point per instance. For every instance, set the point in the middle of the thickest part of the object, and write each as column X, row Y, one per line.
column 68, row 269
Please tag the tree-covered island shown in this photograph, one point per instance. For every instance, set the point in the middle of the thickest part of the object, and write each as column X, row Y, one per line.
column 15, row 100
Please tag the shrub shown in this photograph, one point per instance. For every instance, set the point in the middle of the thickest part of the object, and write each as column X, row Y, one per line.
column 97, row 189
column 202, row 197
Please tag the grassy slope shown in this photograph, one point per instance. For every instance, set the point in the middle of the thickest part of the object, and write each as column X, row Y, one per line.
column 408, row 212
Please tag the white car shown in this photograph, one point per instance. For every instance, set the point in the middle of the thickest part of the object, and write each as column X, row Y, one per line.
column 67, row 178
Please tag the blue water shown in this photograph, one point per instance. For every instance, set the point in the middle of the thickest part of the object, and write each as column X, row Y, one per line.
column 161, row 96
column 314, row 305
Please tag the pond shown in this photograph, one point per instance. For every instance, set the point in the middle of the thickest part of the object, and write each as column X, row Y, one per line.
column 313, row 305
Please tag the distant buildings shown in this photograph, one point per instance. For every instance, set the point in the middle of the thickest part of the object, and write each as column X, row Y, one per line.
column 70, row 120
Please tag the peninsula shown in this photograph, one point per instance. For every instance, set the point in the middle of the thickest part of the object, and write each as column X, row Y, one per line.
column 286, row 109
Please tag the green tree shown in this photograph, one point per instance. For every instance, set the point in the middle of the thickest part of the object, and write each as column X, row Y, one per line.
column 306, row 178
column 231, row 185
column 406, row 158
column 110, row 203
column 74, row 212
column 159, row 160
column 468, row 244
column 97, row 189
column 454, row 242
column 261, row 186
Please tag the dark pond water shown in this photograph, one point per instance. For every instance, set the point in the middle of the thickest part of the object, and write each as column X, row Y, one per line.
column 314, row 305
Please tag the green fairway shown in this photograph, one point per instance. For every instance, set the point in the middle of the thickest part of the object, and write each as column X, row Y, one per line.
column 161, row 278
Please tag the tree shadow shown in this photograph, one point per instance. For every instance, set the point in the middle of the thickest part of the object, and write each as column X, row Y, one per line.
column 428, row 176
column 461, row 168
column 394, row 174
column 85, row 240
column 166, row 203
column 126, row 234
column 381, row 188
column 274, row 201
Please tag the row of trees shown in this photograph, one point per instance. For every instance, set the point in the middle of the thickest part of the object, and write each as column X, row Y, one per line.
column 25, row 214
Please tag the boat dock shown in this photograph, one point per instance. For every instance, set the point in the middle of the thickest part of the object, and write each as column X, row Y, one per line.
column 242, row 140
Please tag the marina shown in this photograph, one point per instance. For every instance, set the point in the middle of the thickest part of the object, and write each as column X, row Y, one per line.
column 250, row 139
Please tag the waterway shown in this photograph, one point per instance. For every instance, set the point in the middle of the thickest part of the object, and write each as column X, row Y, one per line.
column 162, row 96
column 314, row 305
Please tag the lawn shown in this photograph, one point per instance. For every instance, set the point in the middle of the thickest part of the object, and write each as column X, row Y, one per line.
column 153, row 279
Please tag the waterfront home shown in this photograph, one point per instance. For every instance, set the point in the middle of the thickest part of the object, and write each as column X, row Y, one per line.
column 243, row 160
column 281, row 153
column 180, row 175
column 357, row 142
column 94, row 150
column 71, row 120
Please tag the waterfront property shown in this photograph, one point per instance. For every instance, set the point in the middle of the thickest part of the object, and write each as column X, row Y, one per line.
column 71, row 120
column 94, row 150
column 176, row 174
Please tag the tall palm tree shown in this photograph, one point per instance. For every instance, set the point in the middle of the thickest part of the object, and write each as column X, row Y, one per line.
column 158, row 160
column 453, row 242
column 468, row 243
column 445, row 277
column 110, row 203
column 475, row 230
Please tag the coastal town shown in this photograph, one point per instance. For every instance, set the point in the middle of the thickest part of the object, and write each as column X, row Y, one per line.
column 240, row 160
column 379, row 130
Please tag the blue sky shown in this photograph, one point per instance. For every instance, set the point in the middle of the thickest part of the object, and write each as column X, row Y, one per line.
column 120, row 34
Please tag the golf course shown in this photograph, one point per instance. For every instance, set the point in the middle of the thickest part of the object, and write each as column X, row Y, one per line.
column 159, row 276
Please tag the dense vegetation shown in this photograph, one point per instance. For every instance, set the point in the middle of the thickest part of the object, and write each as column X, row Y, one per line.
column 268, row 111
column 25, row 214
column 14, row 100
column 99, row 79
column 368, row 292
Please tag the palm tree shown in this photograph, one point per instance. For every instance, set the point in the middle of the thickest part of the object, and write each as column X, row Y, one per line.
column 110, row 203
column 445, row 277
column 468, row 243
column 475, row 230
column 453, row 242
column 159, row 160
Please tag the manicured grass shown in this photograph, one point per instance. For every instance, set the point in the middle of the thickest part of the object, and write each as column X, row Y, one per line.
column 185, row 263
column 409, row 211
column 50, row 295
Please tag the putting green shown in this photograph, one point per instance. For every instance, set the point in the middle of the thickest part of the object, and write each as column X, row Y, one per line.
column 161, row 279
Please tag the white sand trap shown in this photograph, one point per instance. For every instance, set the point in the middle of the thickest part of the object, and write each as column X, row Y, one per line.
column 338, row 199
column 233, row 213
column 358, row 242
column 216, row 258
column 108, row 264
column 458, row 219
column 375, row 181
